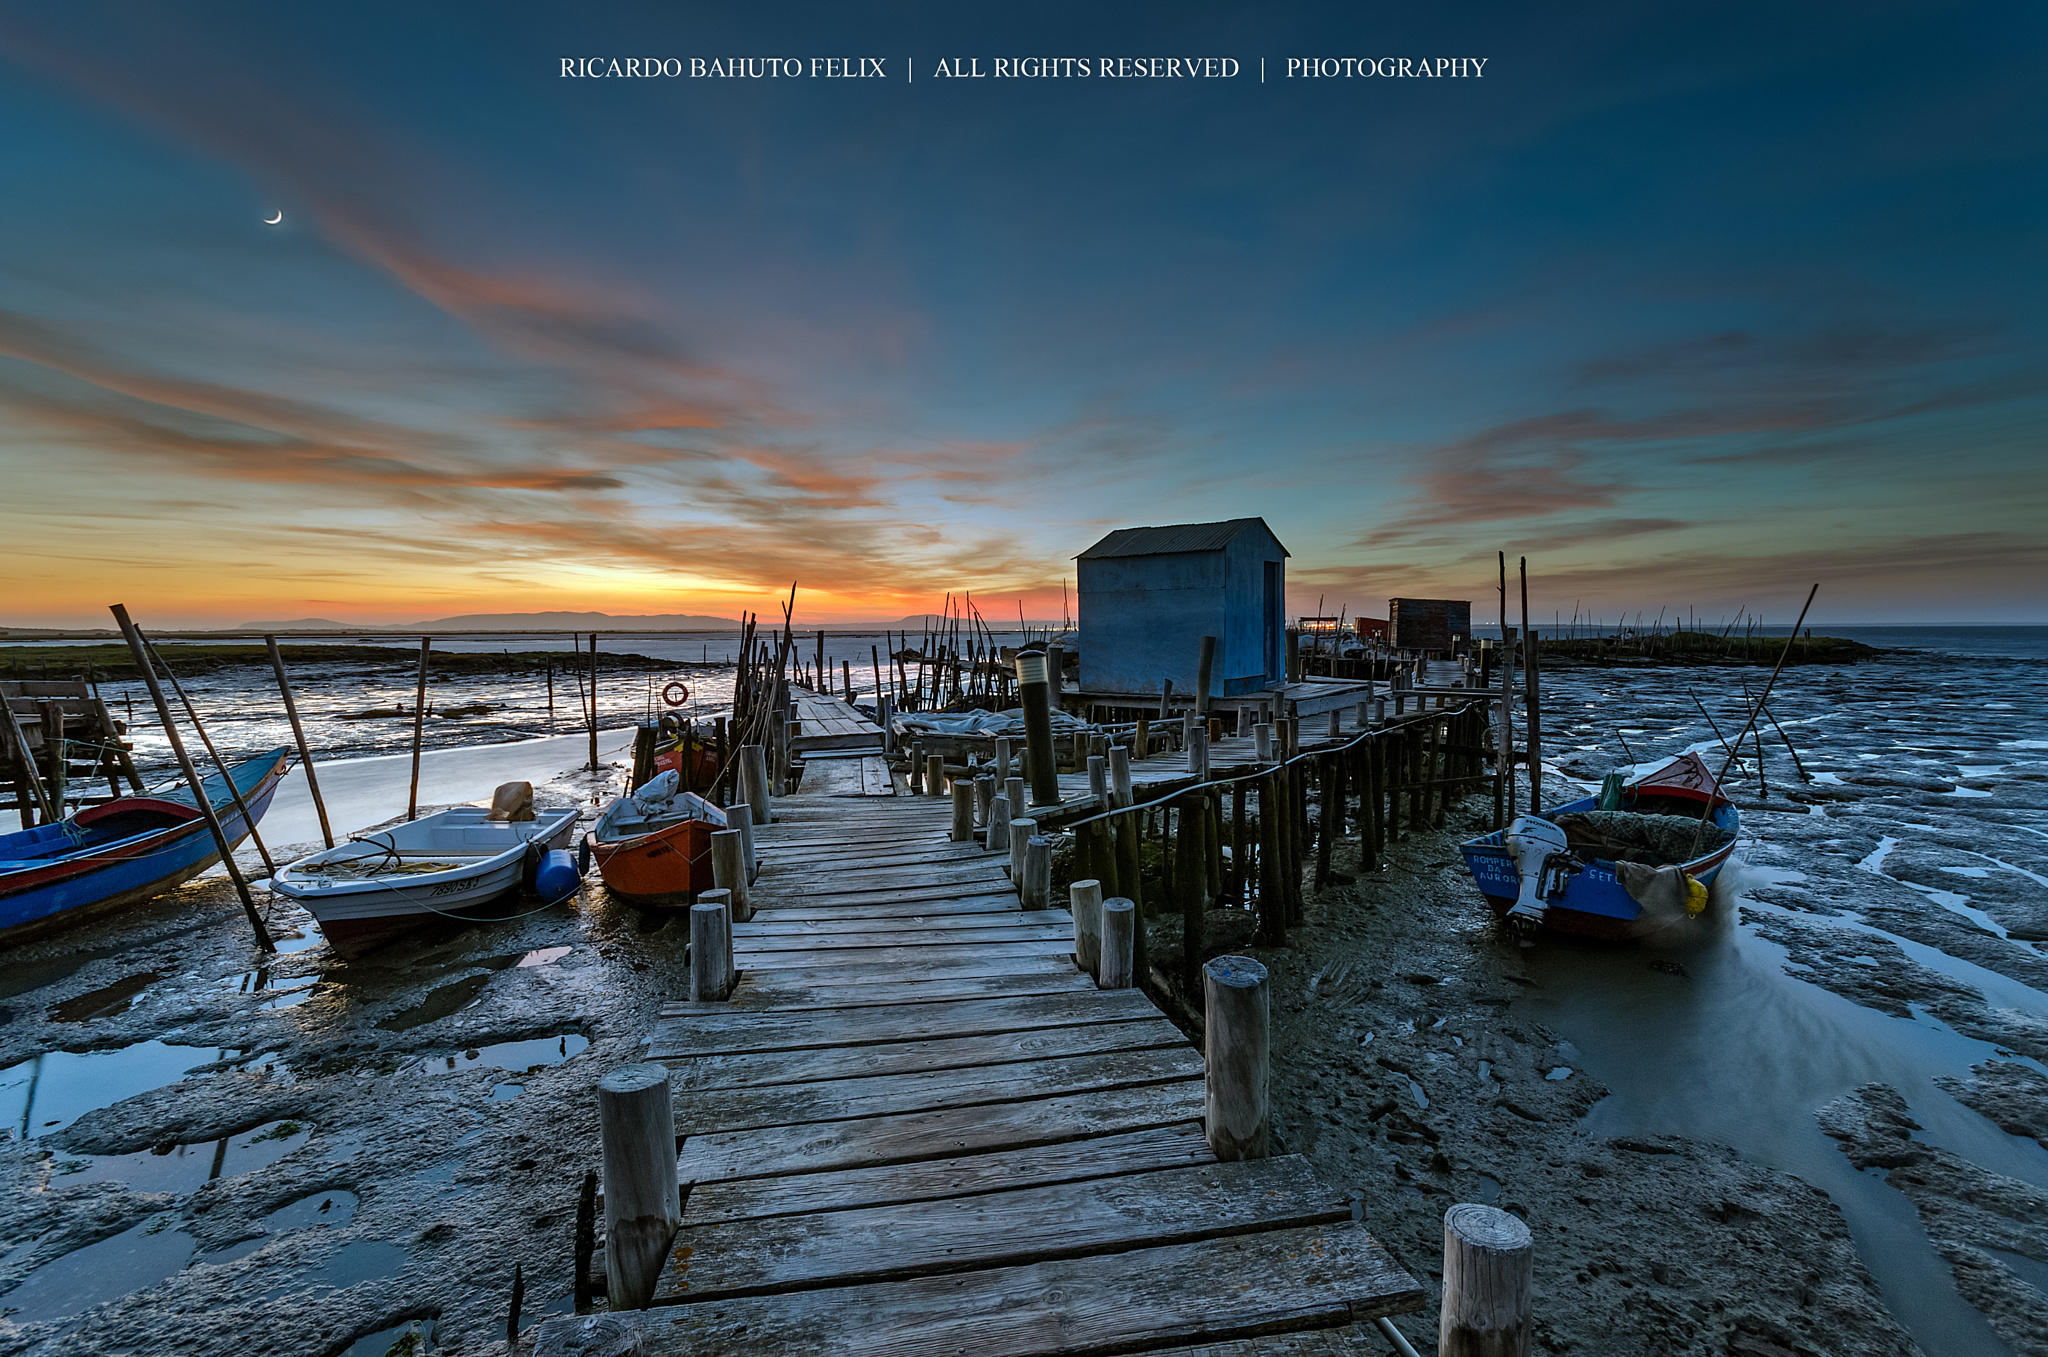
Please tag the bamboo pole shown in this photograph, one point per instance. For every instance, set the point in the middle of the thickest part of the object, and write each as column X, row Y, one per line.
column 139, row 649
column 594, row 764
column 419, row 730
column 291, row 711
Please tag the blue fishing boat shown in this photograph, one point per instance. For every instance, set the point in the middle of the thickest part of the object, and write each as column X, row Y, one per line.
column 124, row 851
column 1587, row 867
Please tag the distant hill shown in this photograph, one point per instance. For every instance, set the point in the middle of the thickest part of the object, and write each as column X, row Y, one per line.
column 555, row 621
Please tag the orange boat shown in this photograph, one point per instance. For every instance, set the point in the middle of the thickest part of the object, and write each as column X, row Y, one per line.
column 654, row 847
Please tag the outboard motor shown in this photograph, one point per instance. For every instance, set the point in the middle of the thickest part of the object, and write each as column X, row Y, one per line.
column 1539, row 850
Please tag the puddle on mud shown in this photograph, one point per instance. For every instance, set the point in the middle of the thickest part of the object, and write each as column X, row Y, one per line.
column 140, row 1256
column 108, row 1000
column 441, row 1002
column 519, row 1057
column 412, row 1338
column 48, row 1092
column 335, row 1206
column 182, row 1168
column 448, row 999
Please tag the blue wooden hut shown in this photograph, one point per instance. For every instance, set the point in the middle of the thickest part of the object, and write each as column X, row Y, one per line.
column 1149, row 595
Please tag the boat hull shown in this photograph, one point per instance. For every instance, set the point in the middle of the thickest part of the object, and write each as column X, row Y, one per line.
column 666, row 867
column 353, row 914
column 49, row 893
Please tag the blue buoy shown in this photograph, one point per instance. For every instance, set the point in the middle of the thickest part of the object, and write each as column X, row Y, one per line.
column 557, row 878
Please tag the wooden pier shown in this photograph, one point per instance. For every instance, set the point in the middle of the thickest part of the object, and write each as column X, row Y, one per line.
column 916, row 1126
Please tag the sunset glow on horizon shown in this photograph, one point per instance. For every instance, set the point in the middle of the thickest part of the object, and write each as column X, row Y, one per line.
column 1687, row 321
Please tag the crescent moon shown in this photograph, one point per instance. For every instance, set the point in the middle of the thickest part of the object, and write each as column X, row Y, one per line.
column 272, row 221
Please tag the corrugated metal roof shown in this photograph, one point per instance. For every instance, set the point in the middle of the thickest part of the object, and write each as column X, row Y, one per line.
column 1177, row 537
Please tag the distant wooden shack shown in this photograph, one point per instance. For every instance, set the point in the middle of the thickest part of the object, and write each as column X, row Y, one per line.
column 1435, row 625
column 1149, row 595
column 54, row 737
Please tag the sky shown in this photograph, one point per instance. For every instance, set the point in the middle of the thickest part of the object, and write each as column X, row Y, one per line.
column 1691, row 305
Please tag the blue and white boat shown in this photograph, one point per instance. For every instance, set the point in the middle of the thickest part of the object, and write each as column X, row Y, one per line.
column 1536, row 874
column 124, row 851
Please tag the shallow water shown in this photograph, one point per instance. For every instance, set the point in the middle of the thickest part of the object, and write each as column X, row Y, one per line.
column 1738, row 1044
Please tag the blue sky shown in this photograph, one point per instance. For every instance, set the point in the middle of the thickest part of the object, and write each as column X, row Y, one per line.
column 1692, row 305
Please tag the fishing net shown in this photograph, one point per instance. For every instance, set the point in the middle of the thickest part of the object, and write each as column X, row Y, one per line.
column 1626, row 836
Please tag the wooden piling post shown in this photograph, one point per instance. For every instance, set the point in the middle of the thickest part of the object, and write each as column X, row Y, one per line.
column 643, row 1204
column 419, row 728
column 1141, row 738
column 291, row 711
column 1119, row 942
column 1037, row 892
column 139, row 650
column 711, row 947
column 1198, row 753
column 754, row 781
column 1262, row 742
column 1098, row 777
column 963, row 811
column 1084, row 898
column 1489, row 1271
column 1235, row 1049
column 729, row 871
column 1119, row 775
column 1003, row 748
column 740, row 818
column 1204, row 667
column 1013, row 787
column 1021, row 831
column 935, row 775
column 1035, row 689
column 999, row 824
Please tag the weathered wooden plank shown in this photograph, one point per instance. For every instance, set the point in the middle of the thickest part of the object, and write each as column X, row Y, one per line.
column 865, row 857
column 983, row 871
column 711, row 1033
column 853, row 936
column 1319, row 1276
column 876, row 992
column 762, row 1069
column 795, row 908
column 885, row 956
column 914, row 966
column 816, row 1146
column 891, row 895
column 782, row 926
column 995, row 1229
column 1140, row 1151
column 736, row 1109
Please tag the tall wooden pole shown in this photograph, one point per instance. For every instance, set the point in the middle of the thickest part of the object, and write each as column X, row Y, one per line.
column 291, row 710
column 1034, row 687
column 419, row 730
column 594, row 765
column 234, row 792
column 199, row 797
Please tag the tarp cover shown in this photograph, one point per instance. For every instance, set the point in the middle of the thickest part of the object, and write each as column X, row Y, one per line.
column 989, row 723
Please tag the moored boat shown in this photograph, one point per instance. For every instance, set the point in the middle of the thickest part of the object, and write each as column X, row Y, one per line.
column 124, row 851
column 654, row 846
column 454, row 864
column 1588, row 869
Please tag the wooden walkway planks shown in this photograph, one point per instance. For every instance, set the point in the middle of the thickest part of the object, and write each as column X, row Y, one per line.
column 916, row 1126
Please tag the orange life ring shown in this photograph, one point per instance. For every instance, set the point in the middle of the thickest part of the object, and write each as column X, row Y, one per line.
column 676, row 694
